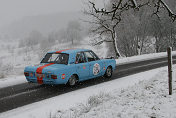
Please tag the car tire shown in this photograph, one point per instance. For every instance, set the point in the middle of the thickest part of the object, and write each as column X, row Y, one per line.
column 108, row 72
column 72, row 80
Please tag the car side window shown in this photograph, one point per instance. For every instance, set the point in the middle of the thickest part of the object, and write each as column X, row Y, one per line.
column 80, row 58
column 91, row 56
column 95, row 56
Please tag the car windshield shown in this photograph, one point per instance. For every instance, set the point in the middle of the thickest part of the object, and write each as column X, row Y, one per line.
column 58, row 58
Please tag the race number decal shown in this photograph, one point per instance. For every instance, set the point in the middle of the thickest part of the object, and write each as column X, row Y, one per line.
column 96, row 69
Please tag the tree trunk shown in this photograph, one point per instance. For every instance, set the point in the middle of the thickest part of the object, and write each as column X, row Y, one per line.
column 156, row 45
column 114, row 38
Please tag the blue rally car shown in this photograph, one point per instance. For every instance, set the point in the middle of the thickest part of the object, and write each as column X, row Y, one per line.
column 69, row 67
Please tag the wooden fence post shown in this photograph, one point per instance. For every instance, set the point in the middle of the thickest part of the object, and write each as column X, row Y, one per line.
column 169, row 49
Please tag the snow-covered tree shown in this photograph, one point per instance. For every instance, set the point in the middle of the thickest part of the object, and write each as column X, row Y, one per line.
column 73, row 31
column 106, row 20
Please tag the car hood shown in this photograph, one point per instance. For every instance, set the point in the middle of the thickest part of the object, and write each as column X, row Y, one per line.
column 46, row 69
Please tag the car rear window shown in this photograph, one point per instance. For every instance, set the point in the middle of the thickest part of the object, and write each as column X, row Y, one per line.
column 58, row 58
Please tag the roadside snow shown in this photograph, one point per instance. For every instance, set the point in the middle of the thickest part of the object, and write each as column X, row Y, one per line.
column 128, row 96
column 147, row 99
column 10, row 81
column 143, row 57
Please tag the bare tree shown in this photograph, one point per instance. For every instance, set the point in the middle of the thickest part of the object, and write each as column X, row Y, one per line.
column 73, row 31
column 128, row 40
column 161, row 4
column 107, row 19
column 34, row 38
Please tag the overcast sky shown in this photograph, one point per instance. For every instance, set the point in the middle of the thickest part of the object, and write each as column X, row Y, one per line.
column 11, row 10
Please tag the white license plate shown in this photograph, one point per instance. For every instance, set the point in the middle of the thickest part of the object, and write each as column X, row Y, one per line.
column 39, row 75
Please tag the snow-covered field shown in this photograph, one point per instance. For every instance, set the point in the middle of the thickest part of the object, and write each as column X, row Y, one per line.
column 142, row 95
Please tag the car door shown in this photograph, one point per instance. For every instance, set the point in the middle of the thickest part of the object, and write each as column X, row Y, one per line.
column 82, row 67
column 95, row 65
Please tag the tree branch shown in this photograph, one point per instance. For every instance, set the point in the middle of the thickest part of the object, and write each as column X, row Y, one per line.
column 158, row 7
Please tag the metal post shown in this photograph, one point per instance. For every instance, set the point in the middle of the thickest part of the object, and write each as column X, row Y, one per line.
column 169, row 49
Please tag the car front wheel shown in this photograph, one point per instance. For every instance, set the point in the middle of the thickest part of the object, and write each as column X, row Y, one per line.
column 108, row 72
column 72, row 80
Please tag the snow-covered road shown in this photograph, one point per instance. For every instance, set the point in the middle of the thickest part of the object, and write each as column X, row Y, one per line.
column 45, row 108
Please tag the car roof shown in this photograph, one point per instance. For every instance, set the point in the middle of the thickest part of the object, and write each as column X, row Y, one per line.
column 70, row 51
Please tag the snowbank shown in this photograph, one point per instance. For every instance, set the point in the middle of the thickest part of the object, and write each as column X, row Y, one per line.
column 10, row 81
column 142, row 57
column 147, row 99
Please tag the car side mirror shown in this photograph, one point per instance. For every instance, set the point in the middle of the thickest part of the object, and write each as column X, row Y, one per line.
column 112, row 57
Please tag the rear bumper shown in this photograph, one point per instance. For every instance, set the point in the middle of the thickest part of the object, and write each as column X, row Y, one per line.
column 44, row 81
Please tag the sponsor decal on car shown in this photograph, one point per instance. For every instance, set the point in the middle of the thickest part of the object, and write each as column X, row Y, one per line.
column 84, row 67
column 104, row 68
column 96, row 69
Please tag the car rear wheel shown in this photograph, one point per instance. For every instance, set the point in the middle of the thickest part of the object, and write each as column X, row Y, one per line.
column 72, row 80
column 108, row 72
